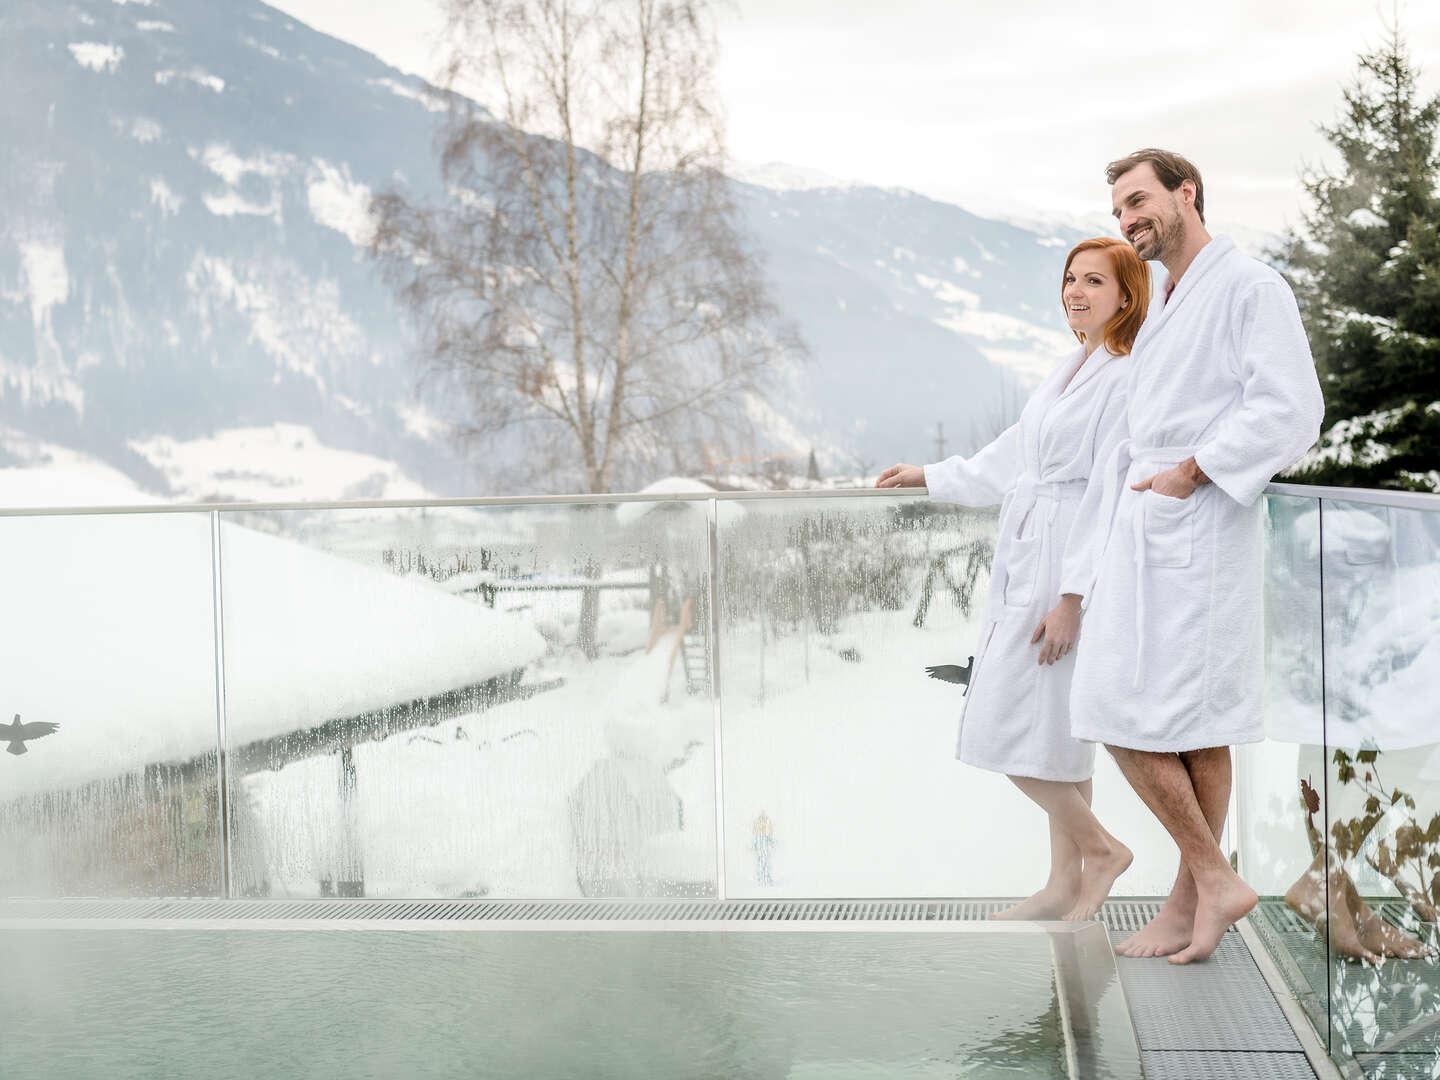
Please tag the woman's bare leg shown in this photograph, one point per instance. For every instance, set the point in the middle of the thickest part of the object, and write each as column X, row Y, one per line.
column 1103, row 858
column 1063, row 886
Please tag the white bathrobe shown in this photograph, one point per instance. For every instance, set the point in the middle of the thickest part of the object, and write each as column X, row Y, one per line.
column 1055, row 508
column 1174, row 632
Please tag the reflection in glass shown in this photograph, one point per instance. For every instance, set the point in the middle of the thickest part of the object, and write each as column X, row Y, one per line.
column 1382, row 682
column 490, row 701
column 1280, row 783
column 108, row 641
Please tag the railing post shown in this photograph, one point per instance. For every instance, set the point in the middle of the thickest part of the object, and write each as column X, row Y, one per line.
column 222, row 778
column 1325, row 778
column 713, row 543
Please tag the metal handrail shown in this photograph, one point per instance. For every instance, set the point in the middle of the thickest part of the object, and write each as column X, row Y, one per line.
column 1404, row 500
column 1407, row 500
column 483, row 500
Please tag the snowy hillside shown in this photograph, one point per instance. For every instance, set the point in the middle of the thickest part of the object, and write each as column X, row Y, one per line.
column 184, row 296
column 186, row 200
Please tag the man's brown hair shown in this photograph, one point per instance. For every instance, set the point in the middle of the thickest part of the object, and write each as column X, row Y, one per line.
column 1172, row 170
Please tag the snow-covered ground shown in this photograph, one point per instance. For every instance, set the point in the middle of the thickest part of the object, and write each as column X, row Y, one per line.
column 279, row 463
column 110, row 633
column 611, row 781
column 839, row 738
column 49, row 475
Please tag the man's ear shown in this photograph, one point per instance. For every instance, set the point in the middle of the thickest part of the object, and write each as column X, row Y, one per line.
column 1187, row 189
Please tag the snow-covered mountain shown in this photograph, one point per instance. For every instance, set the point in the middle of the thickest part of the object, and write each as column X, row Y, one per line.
column 185, row 298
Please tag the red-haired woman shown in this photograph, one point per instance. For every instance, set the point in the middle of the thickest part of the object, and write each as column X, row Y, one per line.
column 1057, row 477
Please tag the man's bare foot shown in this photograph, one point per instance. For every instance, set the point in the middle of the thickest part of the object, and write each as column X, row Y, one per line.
column 1096, row 880
column 1049, row 903
column 1350, row 927
column 1167, row 933
column 1216, row 908
column 1307, row 899
column 1378, row 936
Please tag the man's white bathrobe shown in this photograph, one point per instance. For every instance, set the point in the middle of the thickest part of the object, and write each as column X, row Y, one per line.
column 1173, row 656
column 1055, row 507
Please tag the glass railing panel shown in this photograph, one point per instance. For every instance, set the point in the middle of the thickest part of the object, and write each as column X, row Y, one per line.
column 109, row 784
column 470, row 701
column 1382, row 691
column 840, row 776
column 1279, row 832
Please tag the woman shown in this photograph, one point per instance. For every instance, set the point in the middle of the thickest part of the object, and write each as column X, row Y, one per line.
column 1056, row 473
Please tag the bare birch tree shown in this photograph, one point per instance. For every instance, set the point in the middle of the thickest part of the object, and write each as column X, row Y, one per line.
column 586, row 276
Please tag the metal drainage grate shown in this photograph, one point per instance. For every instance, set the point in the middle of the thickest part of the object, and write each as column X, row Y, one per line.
column 1224, row 1065
column 511, row 910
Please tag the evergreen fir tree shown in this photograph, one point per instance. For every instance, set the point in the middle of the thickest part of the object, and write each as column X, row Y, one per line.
column 1366, row 270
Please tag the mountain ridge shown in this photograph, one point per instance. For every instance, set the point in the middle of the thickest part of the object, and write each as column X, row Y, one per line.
column 184, row 258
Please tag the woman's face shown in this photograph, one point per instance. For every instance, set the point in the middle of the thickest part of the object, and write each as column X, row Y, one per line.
column 1091, row 293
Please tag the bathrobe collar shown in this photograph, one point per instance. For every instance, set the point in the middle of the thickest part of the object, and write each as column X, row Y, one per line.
column 1101, row 357
column 1209, row 257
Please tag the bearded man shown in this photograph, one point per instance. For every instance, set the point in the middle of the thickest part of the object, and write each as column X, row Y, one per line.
column 1222, row 395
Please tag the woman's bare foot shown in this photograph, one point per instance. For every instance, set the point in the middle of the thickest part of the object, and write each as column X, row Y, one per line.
column 1049, row 903
column 1096, row 880
column 1307, row 896
column 1217, row 907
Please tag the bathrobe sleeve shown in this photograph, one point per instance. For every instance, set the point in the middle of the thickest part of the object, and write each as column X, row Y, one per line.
column 1281, row 405
column 981, row 479
column 1096, row 512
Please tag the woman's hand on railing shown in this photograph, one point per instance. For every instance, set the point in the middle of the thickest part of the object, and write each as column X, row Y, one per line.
column 1057, row 632
column 902, row 476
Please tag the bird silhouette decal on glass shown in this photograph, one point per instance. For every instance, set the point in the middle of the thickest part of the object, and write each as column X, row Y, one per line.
column 15, row 733
column 953, row 673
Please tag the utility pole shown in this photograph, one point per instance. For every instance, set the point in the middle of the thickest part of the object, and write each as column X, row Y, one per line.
column 939, row 441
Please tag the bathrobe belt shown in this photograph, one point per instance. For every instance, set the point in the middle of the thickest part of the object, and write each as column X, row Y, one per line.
column 1025, row 498
column 1161, row 458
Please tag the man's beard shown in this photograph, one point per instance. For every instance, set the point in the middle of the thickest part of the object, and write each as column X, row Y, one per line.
column 1167, row 236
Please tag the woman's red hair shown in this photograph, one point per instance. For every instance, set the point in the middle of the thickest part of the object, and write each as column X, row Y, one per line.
column 1134, row 279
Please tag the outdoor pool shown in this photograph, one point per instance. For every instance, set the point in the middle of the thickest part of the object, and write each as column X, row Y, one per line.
column 566, row 1000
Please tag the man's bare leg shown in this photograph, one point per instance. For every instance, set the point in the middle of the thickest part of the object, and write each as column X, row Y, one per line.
column 1166, row 786
column 1063, row 886
column 1103, row 857
column 1170, row 930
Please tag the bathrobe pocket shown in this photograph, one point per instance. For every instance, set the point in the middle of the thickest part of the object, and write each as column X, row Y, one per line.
column 1169, row 529
column 1022, row 564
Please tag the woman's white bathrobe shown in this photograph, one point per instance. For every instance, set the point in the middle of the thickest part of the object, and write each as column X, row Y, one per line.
column 1174, row 632
column 1055, row 508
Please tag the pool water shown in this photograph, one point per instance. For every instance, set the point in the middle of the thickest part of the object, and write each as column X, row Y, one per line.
column 839, row 1005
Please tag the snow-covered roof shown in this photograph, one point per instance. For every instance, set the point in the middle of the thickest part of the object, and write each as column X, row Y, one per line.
column 109, row 631
column 630, row 512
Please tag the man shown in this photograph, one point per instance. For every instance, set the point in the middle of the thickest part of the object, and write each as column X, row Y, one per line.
column 1222, row 395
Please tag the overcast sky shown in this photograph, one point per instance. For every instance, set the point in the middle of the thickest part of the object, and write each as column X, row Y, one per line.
column 1013, row 106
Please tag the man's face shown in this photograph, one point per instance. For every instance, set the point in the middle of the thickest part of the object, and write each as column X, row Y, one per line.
column 1150, row 217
